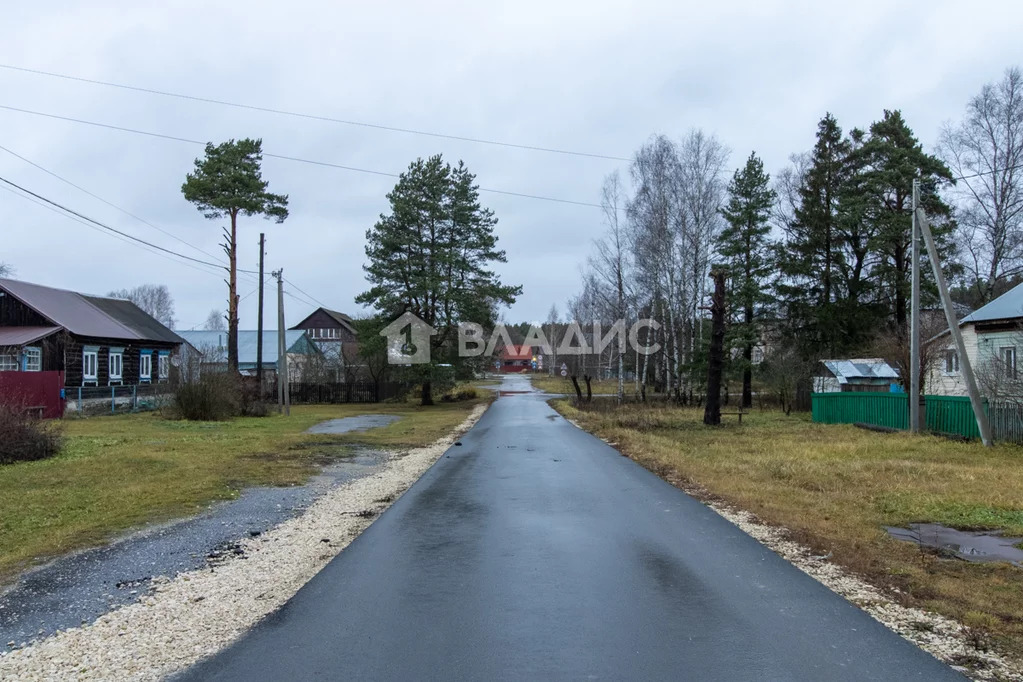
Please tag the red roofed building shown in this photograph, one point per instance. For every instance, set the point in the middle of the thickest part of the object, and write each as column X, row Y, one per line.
column 516, row 359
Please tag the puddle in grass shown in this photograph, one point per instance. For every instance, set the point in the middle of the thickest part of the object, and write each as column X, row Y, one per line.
column 969, row 545
column 363, row 422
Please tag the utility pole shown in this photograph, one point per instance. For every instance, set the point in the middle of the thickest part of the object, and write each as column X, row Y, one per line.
column 259, row 319
column 283, row 390
column 953, row 324
column 914, row 320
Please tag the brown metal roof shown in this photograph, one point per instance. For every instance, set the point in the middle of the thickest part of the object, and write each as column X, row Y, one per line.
column 89, row 315
column 130, row 315
column 20, row 336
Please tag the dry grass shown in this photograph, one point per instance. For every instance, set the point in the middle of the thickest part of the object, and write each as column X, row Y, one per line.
column 559, row 384
column 836, row 486
column 118, row 472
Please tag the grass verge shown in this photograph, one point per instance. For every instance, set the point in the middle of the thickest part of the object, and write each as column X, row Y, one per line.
column 118, row 472
column 836, row 486
column 559, row 384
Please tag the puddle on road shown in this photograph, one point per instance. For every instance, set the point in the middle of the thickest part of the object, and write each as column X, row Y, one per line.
column 969, row 545
column 363, row 422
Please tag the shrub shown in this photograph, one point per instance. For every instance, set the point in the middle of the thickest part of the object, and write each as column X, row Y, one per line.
column 459, row 393
column 214, row 396
column 24, row 438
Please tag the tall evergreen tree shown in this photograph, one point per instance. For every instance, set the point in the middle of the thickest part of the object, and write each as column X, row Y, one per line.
column 746, row 247
column 431, row 256
column 811, row 257
column 227, row 182
column 879, row 196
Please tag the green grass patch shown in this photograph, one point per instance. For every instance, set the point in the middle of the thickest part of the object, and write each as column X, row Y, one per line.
column 118, row 472
column 837, row 486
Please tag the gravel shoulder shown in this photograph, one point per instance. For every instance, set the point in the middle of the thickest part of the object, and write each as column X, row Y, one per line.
column 198, row 612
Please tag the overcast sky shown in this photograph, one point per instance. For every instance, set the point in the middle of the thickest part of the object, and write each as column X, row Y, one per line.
column 589, row 76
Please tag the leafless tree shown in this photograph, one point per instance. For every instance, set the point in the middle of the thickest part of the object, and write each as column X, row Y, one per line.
column 6, row 270
column 154, row 299
column 611, row 265
column 985, row 150
column 215, row 321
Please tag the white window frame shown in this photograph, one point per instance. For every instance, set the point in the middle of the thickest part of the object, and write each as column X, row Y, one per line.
column 1007, row 354
column 9, row 363
column 163, row 366
column 119, row 376
column 951, row 362
column 90, row 356
column 146, row 367
column 33, row 359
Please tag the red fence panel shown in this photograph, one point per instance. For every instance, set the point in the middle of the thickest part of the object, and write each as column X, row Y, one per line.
column 39, row 391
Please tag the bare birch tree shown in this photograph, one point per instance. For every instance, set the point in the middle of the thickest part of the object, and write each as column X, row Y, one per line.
column 985, row 151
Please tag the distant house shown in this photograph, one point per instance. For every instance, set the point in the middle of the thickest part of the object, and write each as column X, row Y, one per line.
column 334, row 334
column 95, row 341
column 516, row 359
column 993, row 336
column 209, row 351
column 864, row 375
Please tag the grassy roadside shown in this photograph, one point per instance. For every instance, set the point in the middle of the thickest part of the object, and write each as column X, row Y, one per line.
column 560, row 384
column 118, row 472
column 836, row 486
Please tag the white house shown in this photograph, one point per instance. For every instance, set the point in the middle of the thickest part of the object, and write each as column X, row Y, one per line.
column 992, row 336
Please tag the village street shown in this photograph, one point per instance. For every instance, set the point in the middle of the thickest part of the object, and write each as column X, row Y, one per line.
column 535, row 551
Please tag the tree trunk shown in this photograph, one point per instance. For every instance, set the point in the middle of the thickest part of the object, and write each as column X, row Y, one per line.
column 232, row 297
column 578, row 391
column 589, row 391
column 427, row 394
column 716, row 357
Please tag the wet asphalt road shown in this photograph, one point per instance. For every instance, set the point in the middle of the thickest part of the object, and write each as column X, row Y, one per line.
column 534, row 551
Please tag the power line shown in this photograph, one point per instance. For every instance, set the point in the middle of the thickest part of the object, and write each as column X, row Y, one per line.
column 309, row 296
column 282, row 156
column 314, row 117
column 991, row 172
column 108, row 203
column 86, row 218
column 115, row 236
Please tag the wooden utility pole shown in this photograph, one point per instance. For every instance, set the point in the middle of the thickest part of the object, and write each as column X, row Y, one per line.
column 914, row 320
column 283, row 389
column 953, row 325
column 716, row 357
column 259, row 319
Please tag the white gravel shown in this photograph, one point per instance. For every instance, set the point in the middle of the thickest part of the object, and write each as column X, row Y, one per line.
column 196, row 614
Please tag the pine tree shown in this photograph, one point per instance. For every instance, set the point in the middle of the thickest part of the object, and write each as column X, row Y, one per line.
column 812, row 256
column 879, row 197
column 431, row 255
column 226, row 182
column 746, row 247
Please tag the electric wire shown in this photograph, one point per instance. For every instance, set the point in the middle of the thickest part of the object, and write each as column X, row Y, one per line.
column 283, row 157
column 314, row 117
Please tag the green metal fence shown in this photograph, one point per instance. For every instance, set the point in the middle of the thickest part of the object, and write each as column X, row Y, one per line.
column 879, row 409
column 950, row 415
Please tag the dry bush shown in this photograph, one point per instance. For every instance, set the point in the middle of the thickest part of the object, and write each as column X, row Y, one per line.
column 24, row 438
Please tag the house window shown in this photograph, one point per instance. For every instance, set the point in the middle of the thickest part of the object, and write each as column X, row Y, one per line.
column 116, row 365
column 146, row 366
column 90, row 365
column 9, row 363
column 33, row 360
column 951, row 362
column 1008, row 357
column 163, row 365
